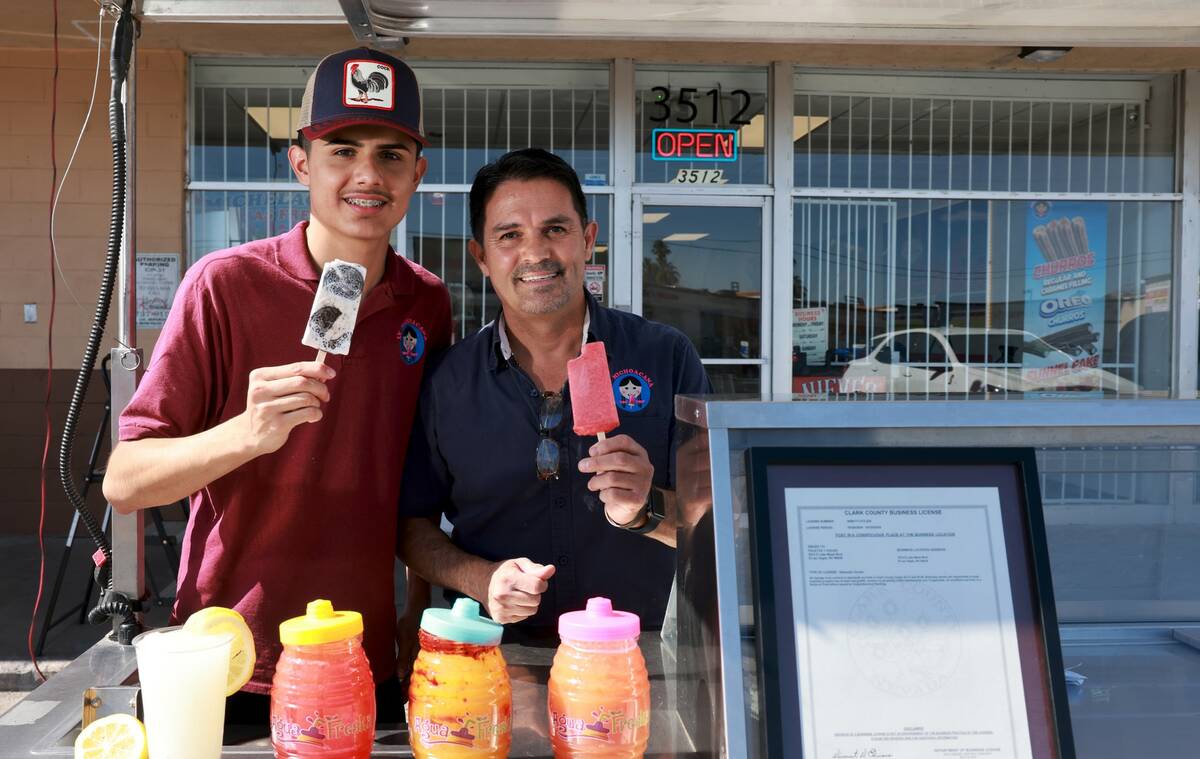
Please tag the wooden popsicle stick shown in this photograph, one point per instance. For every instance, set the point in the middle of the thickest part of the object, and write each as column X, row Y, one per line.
column 320, row 357
column 600, row 435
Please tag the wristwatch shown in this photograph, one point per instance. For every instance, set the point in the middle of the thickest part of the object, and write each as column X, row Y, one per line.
column 655, row 511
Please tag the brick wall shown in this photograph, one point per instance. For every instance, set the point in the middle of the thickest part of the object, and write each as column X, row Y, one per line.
column 81, row 233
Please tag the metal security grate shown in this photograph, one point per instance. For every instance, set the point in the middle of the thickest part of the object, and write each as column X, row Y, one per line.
column 469, row 127
column 241, row 127
column 931, row 296
column 944, row 280
column 242, row 134
column 243, row 120
column 1031, row 136
column 437, row 230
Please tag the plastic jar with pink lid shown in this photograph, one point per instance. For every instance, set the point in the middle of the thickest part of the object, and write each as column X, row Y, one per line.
column 599, row 700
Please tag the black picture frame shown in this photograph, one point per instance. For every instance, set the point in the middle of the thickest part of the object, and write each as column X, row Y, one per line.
column 1012, row 470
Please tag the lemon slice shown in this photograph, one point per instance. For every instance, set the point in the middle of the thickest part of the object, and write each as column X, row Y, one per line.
column 217, row 620
column 118, row 736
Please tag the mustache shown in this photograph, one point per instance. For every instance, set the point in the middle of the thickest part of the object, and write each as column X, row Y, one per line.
column 548, row 267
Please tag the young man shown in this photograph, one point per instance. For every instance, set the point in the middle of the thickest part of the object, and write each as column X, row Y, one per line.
column 544, row 519
column 291, row 465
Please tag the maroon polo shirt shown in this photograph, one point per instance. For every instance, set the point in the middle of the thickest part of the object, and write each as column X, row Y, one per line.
column 317, row 518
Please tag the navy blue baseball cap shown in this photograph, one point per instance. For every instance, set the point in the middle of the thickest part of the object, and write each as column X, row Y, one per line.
column 361, row 86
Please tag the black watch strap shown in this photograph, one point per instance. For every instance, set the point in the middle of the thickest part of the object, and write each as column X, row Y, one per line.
column 655, row 511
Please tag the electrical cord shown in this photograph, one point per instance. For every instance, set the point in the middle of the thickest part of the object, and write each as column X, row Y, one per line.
column 113, row 604
column 56, row 189
column 37, row 601
column 57, row 194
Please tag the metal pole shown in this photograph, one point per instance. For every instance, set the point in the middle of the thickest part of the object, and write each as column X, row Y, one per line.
column 779, row 249
column 1185, row 293
column 127, row 529
column 622, row 257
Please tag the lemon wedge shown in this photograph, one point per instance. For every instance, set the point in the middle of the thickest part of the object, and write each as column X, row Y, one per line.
column 217, row 620
column 119, row 736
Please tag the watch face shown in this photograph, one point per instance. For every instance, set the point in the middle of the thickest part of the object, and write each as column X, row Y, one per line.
column 657, row 505
column 654, row 511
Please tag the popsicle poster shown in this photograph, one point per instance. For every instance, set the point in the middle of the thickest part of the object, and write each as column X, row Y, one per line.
column 1066, row 245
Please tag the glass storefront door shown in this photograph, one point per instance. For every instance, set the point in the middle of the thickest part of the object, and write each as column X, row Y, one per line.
column 702, row 271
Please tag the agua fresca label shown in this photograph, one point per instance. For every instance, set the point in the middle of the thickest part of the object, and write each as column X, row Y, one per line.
column 467, row 731
column 617, row 726
column 318, row 728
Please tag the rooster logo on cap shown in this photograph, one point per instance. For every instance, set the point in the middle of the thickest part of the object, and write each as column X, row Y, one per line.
column 366, row 85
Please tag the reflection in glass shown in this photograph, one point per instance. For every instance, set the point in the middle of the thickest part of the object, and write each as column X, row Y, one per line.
column 222, row 219
column 1123, row 538
column 730, row 379
column 702, row 273
column 947, row 296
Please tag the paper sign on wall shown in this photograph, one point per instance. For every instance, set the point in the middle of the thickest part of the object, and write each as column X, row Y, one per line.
column 593, row 280
column 157, row 280
column 810, row 333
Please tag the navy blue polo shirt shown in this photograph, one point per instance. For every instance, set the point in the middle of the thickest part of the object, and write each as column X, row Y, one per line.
column 472, row 458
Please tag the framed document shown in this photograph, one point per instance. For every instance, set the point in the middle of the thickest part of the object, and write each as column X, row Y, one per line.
column 904, row 605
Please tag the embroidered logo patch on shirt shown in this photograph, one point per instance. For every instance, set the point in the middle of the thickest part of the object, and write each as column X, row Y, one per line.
column 631, row 390
column 412, row 341
column 368, row 84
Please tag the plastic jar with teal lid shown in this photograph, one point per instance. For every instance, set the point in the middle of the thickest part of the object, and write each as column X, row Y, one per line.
column 459, row 697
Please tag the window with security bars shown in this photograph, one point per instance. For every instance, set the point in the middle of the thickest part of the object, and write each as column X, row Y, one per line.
column 475, row 114
column 243, row 121
column 243, row 118
column 985, row 134
column 983, row 236
column 940, row 296
column 438, row 228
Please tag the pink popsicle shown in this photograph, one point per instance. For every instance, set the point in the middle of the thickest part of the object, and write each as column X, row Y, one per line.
column 592, row 402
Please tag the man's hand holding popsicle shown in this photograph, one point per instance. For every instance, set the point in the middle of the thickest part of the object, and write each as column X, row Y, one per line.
column 621, row 474
column 621, row 470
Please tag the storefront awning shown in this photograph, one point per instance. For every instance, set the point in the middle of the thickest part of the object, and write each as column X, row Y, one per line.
column 1164, row 23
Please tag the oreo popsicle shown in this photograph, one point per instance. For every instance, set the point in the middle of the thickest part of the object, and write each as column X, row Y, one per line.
column 592, row 403
column 335, row 308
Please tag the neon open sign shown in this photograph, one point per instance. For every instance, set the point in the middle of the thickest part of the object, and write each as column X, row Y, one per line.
column 695, row 144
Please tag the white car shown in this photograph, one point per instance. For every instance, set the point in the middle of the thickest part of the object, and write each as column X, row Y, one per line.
column 974, row 360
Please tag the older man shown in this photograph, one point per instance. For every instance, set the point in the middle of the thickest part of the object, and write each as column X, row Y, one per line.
column 544, row 519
